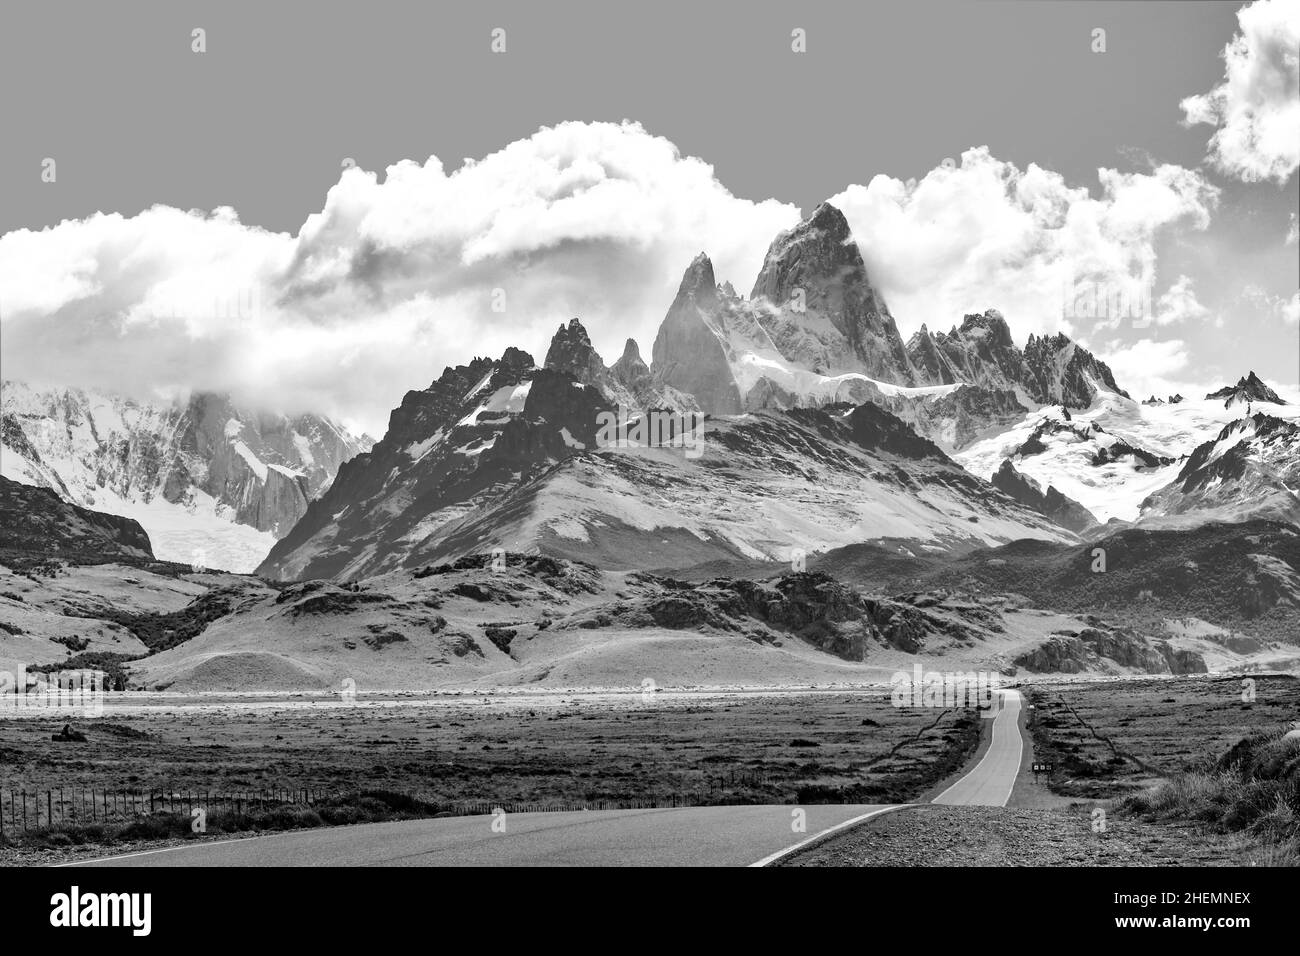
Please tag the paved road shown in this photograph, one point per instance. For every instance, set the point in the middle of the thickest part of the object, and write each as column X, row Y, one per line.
column 990, row 783
column 695, row 836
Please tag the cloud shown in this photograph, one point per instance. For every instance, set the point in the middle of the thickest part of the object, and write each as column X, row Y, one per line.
column 399, row 275
column 1293, row 231
column 393, row 279
column 1285, row 308
column 1148, row 367
column 1289, row 309
column 1178, row 303
column 1256, row 108
column 985, row 233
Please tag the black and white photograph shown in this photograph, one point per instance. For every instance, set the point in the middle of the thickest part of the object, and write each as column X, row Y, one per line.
column 607, row 435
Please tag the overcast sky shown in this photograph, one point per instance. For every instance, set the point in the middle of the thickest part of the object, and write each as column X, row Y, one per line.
column 201, row 229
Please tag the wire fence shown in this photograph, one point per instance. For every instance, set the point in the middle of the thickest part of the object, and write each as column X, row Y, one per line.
column 24, row 811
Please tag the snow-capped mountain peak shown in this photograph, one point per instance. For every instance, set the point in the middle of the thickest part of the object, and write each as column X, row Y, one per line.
column 1249, row 389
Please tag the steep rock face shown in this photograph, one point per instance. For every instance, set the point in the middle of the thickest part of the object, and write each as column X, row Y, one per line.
column 626, row 384
column 1251, row 469
column 1062, row 372
column 689, row 354
column 1066, row 512
column 814, row 330
column 1051, row 370
column 928, row 360
column 978, row 352
column 36, row 521
column 630, row 370
column 1000, row 383
column 571, row 352
column 189, row 470
column 1248, row 389
column 824, row 313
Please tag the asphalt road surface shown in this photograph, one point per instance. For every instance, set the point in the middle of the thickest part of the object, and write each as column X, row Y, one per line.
column 694, row 836
column 989, row 784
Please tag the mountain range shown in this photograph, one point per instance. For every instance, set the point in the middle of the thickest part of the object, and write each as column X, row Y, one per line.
column 814, row 330
column 786, row 489
column 818, row 427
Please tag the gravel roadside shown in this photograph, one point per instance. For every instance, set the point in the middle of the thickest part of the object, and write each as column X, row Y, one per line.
column 999, row 836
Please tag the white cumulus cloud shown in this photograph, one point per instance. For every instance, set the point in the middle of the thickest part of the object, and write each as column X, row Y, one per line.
column 1256, row 108
column 986, row 234
column 394, row 278
column 1178, row 303
column 1150, row 367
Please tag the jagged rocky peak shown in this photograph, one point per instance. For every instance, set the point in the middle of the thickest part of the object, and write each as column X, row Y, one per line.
column 979, row 352
column 817, row 251
column 1157, row 400
column 571, row 351
column 518, row 359
column 698, row 283
column 631, row 352
column 990, row 326
column 815, row 273
column 1063, row 372
column 812, row 319
column 1064, row 510
column 630, row 370
column 1249, row 388
column 627, row 383
column 690, row 352
column 1051, row 370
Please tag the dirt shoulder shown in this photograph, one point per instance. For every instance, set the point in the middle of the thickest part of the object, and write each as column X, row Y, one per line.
column 997, row 836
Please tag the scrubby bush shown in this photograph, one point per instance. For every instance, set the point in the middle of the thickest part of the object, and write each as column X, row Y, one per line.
column 1254, row 788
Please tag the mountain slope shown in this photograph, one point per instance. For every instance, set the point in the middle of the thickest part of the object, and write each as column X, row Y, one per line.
column 213, row 483
column 1113, row 455
column 1066, row 512
column 501, row 454
column 1243, row 576
column 473, row 435
column 1251, row 469
column 999, row 383
column 36, row 521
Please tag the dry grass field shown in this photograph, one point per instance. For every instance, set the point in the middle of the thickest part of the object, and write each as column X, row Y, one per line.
column 453, row 752
column 1112, row 738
